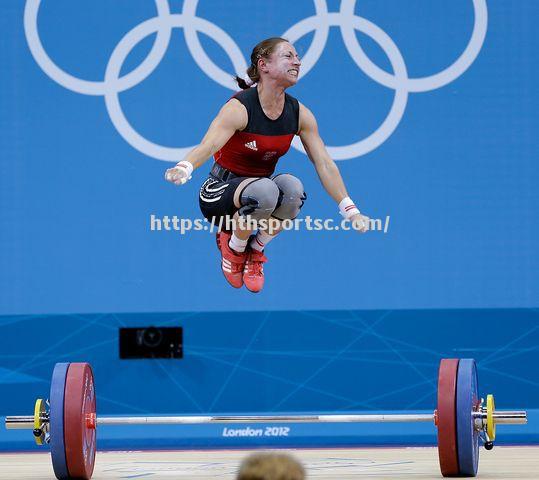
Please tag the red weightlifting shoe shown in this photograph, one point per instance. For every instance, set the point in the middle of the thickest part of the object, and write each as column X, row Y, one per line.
column 232, row 263
column 253, row 273
column 218, row 239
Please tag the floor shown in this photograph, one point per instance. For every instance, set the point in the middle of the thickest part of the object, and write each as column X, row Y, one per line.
column 330, row 464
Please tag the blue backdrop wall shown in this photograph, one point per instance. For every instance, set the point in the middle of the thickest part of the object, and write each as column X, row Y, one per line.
column 428, row 107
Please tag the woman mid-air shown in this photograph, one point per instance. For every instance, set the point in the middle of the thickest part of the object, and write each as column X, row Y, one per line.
column 249, row 135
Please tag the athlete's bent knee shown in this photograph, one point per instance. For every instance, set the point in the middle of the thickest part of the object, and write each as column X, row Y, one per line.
column 292, row 196
column 259, row 199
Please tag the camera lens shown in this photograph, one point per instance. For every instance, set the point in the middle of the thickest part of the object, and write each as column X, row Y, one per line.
column 152, row 337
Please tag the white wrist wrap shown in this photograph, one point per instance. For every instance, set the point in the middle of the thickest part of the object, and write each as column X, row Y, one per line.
column 347, row 208
column 186, row 166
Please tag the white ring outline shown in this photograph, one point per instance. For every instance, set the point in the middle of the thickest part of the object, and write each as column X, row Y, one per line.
column 90, row 87
column 203, row 60
column 112, row 72
column 418, row 84
column 345, row 19
column 388, row 126
column 321, row 33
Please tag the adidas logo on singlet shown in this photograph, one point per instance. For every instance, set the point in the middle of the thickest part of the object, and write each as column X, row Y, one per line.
column 251, row 145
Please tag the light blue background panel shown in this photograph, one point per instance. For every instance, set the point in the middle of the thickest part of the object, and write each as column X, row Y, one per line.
column 457, row 175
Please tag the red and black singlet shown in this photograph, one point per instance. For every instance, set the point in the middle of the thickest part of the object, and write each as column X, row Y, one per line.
column 254, row 151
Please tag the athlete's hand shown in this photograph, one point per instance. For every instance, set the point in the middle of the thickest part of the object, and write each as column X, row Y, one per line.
column 179, row 174
column 360, row 222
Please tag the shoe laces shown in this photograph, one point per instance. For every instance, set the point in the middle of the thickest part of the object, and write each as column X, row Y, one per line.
column 255, row 262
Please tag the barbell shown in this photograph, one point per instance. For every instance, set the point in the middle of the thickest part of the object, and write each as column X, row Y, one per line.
column 68, row 420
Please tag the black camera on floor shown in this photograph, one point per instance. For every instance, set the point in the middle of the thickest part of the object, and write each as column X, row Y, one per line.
column 151, row 342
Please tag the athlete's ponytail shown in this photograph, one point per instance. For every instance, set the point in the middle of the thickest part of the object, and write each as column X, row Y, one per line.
column 263, row 50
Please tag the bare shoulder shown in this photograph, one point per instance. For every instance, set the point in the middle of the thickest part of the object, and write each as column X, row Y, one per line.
column 307, row 120
column 234, row 114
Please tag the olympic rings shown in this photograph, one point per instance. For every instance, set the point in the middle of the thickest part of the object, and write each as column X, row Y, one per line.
column 164, row 21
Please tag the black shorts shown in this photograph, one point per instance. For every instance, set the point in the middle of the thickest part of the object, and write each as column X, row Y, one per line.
column 216, row 198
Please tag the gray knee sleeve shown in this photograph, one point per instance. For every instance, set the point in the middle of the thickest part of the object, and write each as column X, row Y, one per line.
column 292, row 196
column 259, row 199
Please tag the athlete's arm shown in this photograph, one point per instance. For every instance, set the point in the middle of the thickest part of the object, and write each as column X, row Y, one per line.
column 231, row 118
column 325, row 166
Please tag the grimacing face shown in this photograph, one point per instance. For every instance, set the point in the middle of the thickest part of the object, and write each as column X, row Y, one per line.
column 283, row 64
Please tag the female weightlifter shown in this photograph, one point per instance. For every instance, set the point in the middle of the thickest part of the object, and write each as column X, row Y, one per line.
column 251, row 132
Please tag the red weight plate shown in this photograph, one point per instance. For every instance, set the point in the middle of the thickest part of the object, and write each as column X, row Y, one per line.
column 447, row 417
column 79, row 406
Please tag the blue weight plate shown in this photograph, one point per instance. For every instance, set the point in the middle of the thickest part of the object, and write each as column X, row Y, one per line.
column 58, row 454
column 467, row 402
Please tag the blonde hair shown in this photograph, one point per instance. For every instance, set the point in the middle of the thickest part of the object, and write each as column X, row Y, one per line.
column 263, row 50
column 271, row 466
